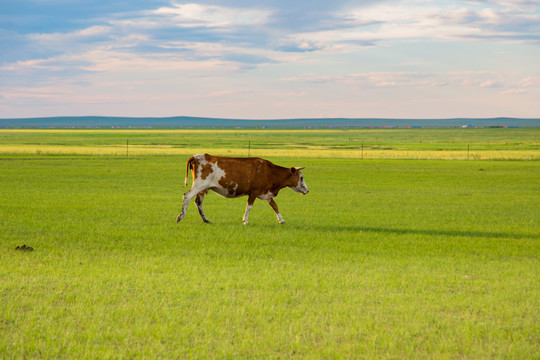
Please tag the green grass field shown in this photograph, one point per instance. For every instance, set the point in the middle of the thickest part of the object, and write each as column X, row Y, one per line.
column 383, row 258
column 448, row 144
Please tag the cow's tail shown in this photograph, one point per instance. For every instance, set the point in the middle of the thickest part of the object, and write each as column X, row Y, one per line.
column 189, row 166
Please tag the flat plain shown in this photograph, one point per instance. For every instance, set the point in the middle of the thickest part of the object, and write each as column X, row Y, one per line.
column 384, row 258
column 435, row 144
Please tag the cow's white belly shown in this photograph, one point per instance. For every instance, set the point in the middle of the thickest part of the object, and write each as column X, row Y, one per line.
column 228, row 193
column 269, row 195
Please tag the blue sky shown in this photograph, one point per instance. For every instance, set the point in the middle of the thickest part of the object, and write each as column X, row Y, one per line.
column 270, row 59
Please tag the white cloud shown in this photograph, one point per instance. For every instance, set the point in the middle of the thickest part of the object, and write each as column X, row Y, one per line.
column 522, row 5
column 113, row 47
column 530, row 81
column 490, row 84
column 424, row 20
column 513, row 92
column 198, row 15
column 477, row 79
column 55, row 39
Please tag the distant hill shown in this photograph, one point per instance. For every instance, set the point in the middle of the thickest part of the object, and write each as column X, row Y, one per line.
column 201, row 122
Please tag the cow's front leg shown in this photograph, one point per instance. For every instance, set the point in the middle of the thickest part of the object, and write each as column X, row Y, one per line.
column 199, row 202
column 249, row 205
column 275, row 207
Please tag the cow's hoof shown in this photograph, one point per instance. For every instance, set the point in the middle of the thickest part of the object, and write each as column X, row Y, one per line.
column 178, row 218
column 207, row 221
column 282, row 222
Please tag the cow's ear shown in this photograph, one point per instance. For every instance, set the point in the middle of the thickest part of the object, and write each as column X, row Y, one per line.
column 293, row 170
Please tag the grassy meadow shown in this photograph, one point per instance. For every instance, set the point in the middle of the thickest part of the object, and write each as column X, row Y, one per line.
column 449, row 144
column 385, row 258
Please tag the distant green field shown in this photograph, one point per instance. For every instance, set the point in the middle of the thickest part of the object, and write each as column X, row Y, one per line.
column 453, row 144
column 399, row 259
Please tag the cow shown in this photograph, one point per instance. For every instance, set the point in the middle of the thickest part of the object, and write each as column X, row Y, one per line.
column 234, row 177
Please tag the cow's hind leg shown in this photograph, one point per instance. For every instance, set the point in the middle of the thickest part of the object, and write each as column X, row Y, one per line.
column 275, row 207
column 187, row 198
column 199, row 202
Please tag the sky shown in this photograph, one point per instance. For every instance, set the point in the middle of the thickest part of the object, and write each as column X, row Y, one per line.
column 270, row 59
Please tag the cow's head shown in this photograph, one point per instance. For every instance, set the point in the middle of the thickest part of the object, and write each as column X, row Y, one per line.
column 297, row 180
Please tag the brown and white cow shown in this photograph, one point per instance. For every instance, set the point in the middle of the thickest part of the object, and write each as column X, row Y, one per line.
column 234, row 177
